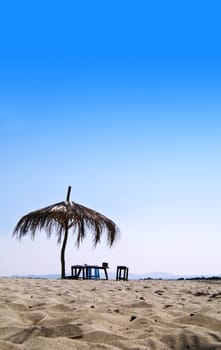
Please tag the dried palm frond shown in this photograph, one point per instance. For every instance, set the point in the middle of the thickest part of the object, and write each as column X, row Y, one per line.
column 55, row 218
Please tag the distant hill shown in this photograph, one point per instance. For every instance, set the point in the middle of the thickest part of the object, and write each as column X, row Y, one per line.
column 167, row 276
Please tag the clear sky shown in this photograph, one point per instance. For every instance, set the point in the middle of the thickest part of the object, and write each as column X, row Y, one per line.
column 120, row 100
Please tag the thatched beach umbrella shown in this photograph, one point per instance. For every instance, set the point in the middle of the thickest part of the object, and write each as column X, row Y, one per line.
column 64, row 216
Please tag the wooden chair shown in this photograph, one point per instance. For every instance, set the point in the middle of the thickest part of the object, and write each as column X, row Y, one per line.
column 122, row 273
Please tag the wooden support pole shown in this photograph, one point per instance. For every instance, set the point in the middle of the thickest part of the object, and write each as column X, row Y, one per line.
column 68, row 194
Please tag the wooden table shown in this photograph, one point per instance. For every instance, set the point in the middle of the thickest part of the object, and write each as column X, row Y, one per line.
column 85, row 271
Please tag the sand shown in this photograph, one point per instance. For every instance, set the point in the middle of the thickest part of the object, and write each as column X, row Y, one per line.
column 37, row 314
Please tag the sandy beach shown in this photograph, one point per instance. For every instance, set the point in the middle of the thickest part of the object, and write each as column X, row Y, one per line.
column 69, row 314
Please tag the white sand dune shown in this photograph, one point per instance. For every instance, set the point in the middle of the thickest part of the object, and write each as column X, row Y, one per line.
column 37, row 314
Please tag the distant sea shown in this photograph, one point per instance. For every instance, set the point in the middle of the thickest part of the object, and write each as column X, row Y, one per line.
column 132, row 276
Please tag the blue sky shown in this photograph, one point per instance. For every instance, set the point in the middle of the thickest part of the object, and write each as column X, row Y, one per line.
column 120, row 100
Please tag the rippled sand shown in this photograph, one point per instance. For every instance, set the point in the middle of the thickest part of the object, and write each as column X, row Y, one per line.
column 37, row 314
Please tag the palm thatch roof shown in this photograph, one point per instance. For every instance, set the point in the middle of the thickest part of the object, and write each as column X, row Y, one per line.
column 67, row 215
